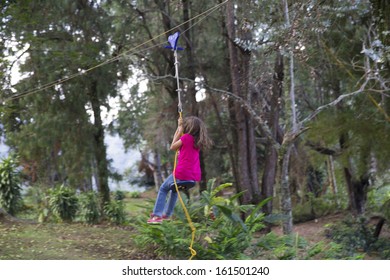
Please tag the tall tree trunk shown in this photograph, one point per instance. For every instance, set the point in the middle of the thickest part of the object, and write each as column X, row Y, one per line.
column 271, row 157
column 250, row 145
column 357, row 191
column 285, row 185
column 286, row 205
column 332, row 179
column 357, row 187
column 292, row 76
column 99, row 147
column 246, row 179
column 157, row 170
column 252, row 163
column 242, row 180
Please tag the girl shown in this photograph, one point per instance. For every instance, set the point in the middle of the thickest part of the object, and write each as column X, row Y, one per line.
column 190, row 137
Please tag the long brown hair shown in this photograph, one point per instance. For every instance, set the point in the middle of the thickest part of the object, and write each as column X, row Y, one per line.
column 196, row 127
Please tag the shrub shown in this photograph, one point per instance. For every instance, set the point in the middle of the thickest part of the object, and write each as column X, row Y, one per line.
column 221, row 233
column 89, row 207
column 37, row 201
column 135, row 194
column 330, row 251
column 165, row 240
column 315, row 207
column 63, row 203
column 115, row 212
column 10, row 189
column 352, row 234
column 285, row 247
column 119, row 195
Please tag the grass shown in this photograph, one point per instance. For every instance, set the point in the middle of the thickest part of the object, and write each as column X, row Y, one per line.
column 135, row 206
column 73, row 241
column 26, row 240
column 64, row 242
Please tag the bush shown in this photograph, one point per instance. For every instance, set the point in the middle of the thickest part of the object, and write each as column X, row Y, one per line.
column 221, row 233
column 354, row 236
column 135, row 194
column 10, row 189
column 315, row 207
column 63, row 203
column 382, row 247
column 119, row 195
column 331, row 251
column 284, row 247
column 36, row 198
column 115, row 212
column 89, row 207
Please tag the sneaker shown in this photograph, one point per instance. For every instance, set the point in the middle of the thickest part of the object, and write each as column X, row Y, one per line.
column 165, row 218
column 155, row 220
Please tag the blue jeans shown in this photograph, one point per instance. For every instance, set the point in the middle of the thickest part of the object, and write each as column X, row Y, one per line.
column 162, row 206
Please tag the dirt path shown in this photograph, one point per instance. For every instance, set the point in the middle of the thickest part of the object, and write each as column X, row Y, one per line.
column 314, row 231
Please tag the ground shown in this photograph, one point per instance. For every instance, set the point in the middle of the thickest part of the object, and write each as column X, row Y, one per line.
column 314, row 231
column 22, row 239
column 75, row 241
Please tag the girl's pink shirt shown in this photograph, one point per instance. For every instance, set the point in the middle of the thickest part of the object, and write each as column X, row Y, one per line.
column 188, row 165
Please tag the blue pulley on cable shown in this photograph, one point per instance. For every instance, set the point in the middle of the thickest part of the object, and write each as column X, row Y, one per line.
column 172, row 39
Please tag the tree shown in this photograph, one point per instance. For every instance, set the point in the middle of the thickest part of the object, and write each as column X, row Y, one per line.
column 69, row 41
column 246, row 159
column 356, row 150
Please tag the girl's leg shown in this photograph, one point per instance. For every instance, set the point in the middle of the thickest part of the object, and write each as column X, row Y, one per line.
column 168, row 211
column 162, row 196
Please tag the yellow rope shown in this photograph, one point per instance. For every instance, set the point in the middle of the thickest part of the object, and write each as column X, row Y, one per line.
column 380, row 109
column 193, row 229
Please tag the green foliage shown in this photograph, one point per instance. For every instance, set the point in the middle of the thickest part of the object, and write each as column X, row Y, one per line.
column 385, row 209
column 57, row 117
column 168, row 240
column 119, row 195
column 36, row 198
column 293, row 246
column 382, row 248
column 378, row 194
column 115, row 212
column 221, row 232
column 89, row 207
column 331, row 251
column 135, row 194
column 355, row 236
column 63, row 203
column 315, row 207
column 284, row 247
column 10, row 189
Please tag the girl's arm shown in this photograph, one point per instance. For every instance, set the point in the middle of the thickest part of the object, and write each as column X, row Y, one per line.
column 176, row 142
